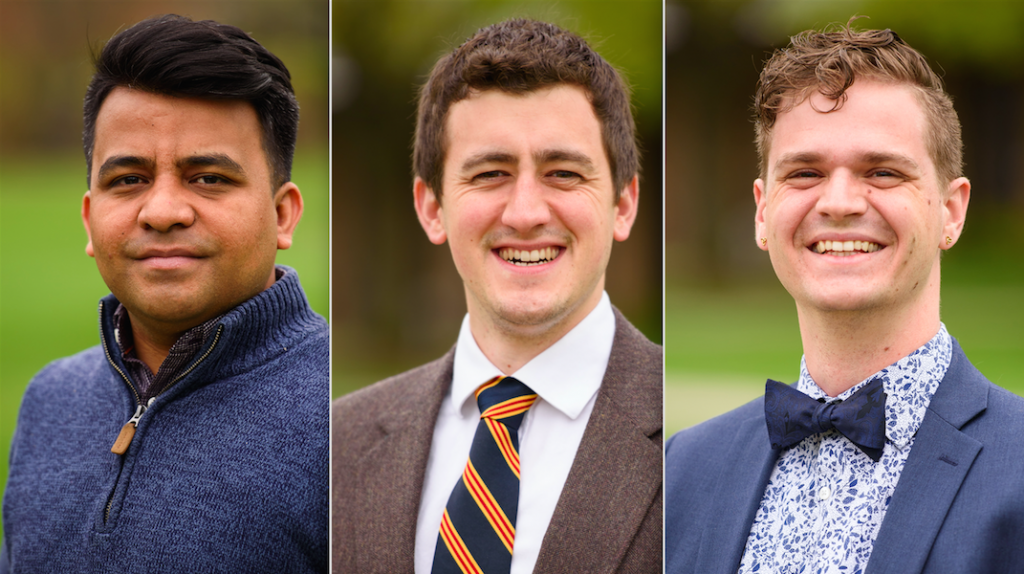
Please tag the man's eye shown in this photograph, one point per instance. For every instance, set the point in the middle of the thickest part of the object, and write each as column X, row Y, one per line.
column 565, row 174
column 804, row 174
column 210, row 179
column 128, row 180
column 489, row 174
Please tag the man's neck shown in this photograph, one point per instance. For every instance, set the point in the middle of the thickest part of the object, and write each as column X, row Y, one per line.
column 842, row 348
column 510, row 347
column 152, row 346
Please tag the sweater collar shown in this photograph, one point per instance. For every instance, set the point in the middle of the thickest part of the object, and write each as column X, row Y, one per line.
column 254, row 332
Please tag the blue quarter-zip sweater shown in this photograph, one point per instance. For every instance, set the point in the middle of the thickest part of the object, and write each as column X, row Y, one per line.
column 227, row 470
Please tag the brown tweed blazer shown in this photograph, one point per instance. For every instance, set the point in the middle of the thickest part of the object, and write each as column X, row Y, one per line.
column 609, row 516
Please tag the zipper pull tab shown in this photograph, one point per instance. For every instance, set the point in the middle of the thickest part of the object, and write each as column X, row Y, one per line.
column 124, row 438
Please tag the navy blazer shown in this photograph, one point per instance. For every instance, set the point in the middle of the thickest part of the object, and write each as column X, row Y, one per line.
column 958, row 506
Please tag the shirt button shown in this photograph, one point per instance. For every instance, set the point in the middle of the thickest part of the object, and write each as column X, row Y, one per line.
column 824, row 492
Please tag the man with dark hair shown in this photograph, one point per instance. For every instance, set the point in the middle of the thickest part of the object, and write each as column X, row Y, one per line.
column 526, row 165
column 162, row 449
column 891, row 453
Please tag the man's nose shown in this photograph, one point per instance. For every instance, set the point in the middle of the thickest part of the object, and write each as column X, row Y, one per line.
column 842, row 195
column 527, row 206
column 167, row 204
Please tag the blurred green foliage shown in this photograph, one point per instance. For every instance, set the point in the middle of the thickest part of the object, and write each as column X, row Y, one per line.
column 958, row 34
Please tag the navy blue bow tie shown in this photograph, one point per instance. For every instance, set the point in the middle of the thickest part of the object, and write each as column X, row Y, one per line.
column 793, row 416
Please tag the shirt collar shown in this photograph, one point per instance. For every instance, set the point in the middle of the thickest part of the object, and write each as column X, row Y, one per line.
column 909, row 385
column 567, row 374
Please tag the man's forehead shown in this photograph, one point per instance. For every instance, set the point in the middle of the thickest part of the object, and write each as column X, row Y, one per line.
column 549, row 124
column 130, row 121
column 541, row 97
column 818, row 123
column 146, row 99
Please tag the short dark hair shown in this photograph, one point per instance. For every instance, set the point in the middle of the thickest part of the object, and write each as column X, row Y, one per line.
column 175, row 56
column 830, row 61
column 520, row 56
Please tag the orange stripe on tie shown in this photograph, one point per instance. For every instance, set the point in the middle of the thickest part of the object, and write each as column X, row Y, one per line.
column 503, row 439
column 457, row 548
column 510, row 407
column 487, row 385
column 489, row 506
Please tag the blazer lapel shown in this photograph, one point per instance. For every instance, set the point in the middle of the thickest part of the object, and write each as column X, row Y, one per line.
column 938, row 462
column 391, row 476
column 616, row 477
column 740, row 490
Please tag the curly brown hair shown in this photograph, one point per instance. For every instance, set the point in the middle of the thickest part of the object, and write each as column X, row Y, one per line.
column 519, row 56
column 830, row 61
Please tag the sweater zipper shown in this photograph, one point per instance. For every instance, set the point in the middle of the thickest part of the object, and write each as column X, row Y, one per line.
column 138, row 399
column 124, row 438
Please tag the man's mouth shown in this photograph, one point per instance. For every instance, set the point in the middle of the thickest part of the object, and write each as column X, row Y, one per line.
column 525, row 257
column 845, row 248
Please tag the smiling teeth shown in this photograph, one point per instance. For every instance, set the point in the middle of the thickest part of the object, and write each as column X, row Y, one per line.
column 844, row 248
column 525, row 258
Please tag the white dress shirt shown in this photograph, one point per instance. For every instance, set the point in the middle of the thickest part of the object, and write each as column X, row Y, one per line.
column 566, row 378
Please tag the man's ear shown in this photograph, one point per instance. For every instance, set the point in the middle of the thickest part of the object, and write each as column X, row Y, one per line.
column 625, row 209
column 954, row 211
column 85, row 221
column 428, row 210
column 288, row 205
column 760, row 228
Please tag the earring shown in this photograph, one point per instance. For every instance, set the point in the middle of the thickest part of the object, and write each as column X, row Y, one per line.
column 949, row 240
column 764, row 241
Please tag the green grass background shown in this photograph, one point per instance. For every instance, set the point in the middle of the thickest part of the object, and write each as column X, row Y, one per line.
column 49, row 287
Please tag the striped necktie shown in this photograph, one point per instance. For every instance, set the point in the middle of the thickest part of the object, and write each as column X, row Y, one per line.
column 478, row 528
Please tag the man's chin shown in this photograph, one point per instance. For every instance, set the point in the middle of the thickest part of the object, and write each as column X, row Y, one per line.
column 532, row 319
column 846, row 301
column 167, row 307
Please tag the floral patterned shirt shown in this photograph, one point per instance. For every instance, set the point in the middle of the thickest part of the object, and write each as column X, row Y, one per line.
column 826, row 499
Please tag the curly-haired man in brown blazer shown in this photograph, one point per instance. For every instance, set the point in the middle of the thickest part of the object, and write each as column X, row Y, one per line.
column 526, row 165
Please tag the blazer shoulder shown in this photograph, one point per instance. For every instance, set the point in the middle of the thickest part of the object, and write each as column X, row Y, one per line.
column 394, row 392
column 629, row 340
column 709, row 439
column 405, row 394
column 969, row 401
column 1000, row 427
column 636, row 360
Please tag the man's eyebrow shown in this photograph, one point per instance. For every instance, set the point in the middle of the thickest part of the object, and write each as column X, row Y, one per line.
column 887, row 157
column 217, row 160
column 553, row 155
column 798, row 158
column 476, row 160
column 121, row 161
column 870, row 158
column 541, row 157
